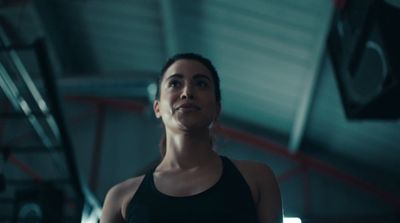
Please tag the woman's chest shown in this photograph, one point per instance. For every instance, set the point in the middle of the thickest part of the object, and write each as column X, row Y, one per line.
column 181, row 184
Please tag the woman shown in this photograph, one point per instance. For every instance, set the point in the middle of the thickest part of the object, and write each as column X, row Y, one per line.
column 193, row 183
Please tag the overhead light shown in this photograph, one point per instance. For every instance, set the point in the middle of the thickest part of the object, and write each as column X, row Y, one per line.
column 291, row 220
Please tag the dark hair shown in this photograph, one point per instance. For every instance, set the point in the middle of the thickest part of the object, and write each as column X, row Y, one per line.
column 188, row 56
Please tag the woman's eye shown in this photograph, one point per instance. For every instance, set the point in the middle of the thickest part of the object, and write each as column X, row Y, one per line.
column 174, row 83
column 202, row 83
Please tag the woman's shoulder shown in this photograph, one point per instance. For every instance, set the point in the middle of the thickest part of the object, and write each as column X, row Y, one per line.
column 267, row 189
column 253, row 168
column 256, row 174
column 127, row 185
column 119, row 195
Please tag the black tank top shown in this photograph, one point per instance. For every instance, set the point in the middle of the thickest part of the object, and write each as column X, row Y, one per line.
column 229, row 200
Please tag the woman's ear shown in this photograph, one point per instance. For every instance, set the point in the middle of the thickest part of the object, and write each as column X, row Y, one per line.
column 156, row 108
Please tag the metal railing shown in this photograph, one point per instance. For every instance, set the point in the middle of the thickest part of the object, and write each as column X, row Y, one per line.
column 52, row 132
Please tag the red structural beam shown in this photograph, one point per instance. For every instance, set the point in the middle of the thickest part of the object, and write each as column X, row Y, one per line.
column 290, row 173
column 266, row 145
column 124, row 104
column 25, row 168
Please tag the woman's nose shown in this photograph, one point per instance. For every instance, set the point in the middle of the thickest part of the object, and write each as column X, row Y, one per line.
column 187, row 92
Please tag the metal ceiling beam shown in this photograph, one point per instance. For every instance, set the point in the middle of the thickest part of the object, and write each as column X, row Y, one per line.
column 302, row 114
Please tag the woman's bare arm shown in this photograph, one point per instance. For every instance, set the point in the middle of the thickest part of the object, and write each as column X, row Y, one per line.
column 269, row 203
column 117, row 200
column 112, row 206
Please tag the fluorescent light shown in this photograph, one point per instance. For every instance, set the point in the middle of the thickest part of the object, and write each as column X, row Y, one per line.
column 291, row 220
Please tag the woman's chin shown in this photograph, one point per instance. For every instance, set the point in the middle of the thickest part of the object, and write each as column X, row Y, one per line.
column 193, row 126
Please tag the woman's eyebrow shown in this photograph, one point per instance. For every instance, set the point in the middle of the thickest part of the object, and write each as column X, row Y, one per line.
column 198, row 76
column 177, row 75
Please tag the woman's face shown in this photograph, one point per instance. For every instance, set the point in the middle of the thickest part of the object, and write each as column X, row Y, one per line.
column 187, row 97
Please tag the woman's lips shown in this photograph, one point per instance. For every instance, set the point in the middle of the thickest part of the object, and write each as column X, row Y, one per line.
column 188, row 107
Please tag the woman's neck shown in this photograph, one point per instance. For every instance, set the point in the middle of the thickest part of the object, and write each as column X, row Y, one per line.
column 187, row 151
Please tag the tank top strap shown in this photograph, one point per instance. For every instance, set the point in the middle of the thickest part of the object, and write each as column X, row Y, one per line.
column 229, row 167
column 143, row 192
column 229, row 200
column 233, row 175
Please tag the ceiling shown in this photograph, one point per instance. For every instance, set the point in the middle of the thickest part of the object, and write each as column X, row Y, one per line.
column 276, row 75
column 271, row 56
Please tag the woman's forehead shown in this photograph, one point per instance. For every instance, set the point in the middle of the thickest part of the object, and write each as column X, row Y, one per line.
column 187, row 67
